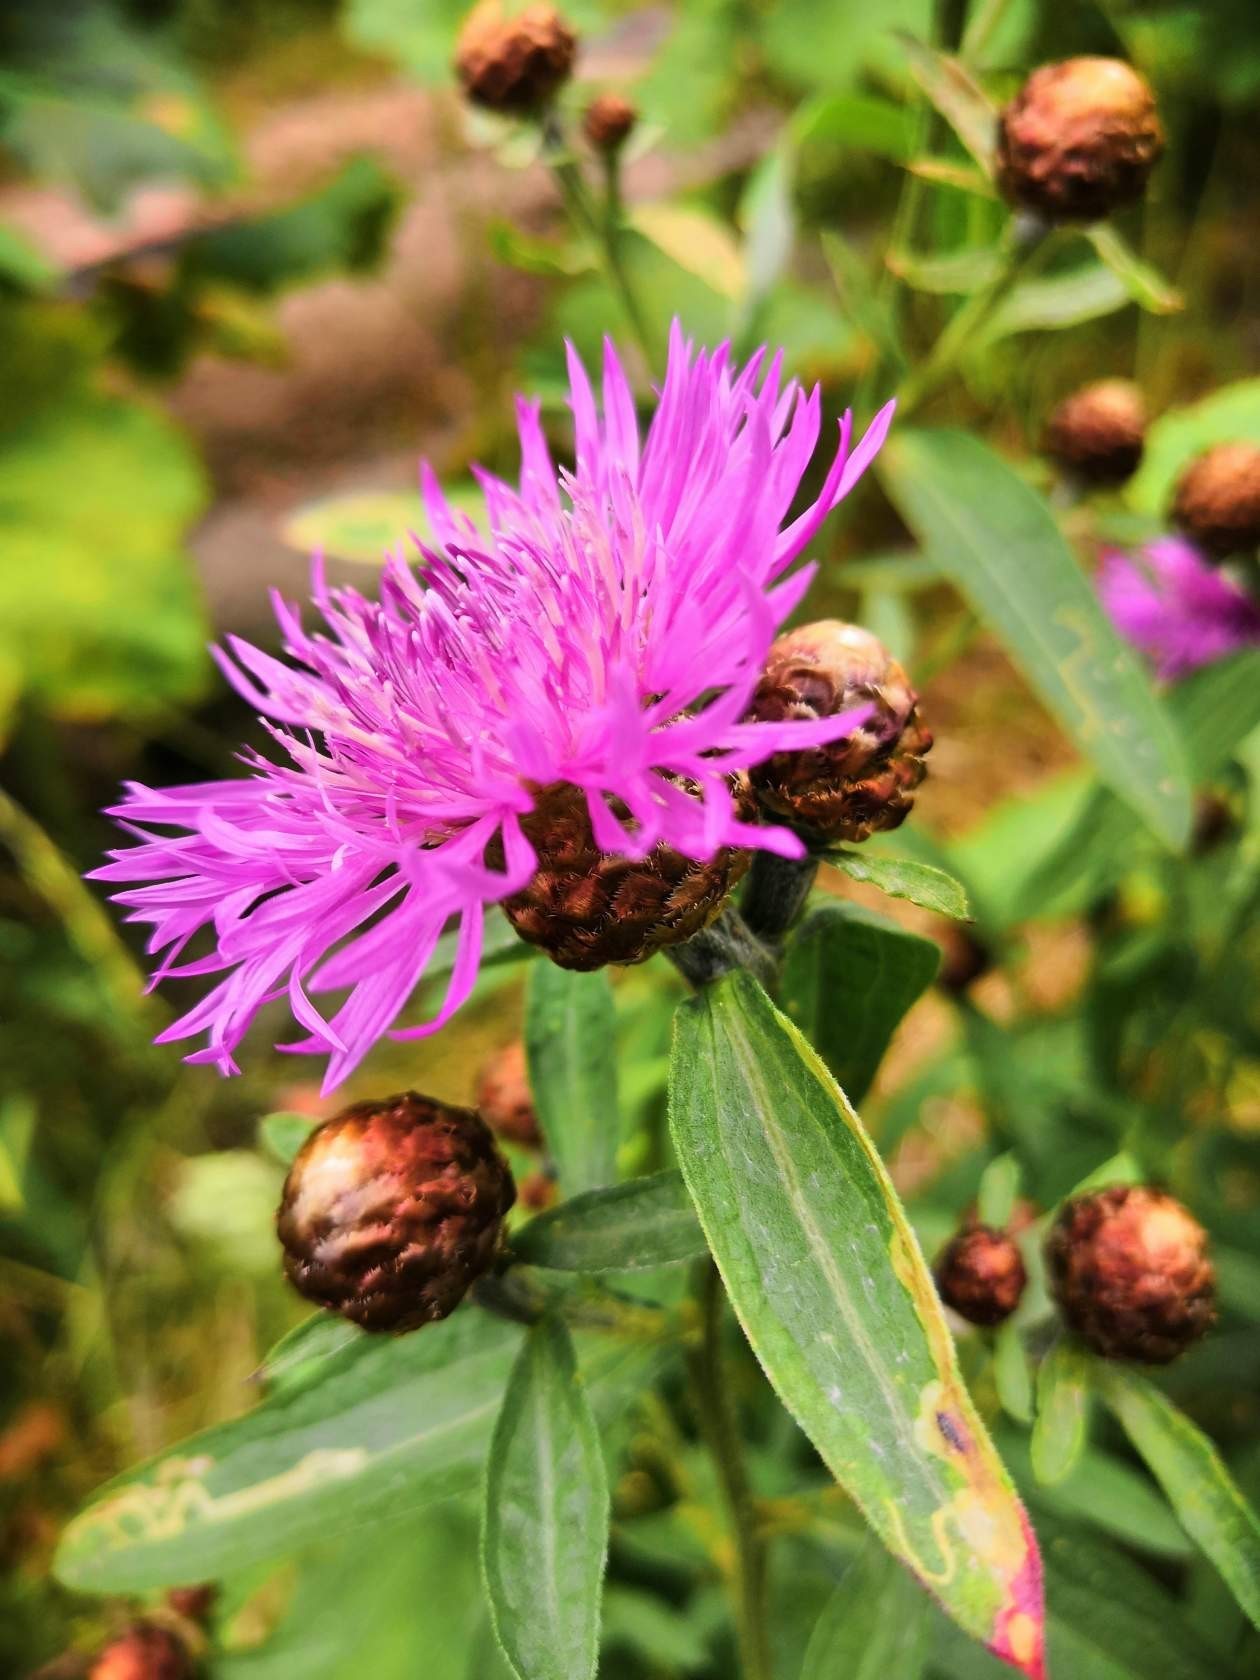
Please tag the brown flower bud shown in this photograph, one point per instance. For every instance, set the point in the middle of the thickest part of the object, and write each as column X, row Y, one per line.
column 980, row 1274
column 864, row 782
column 1129, row 1269
column 514, row 62
column 964, row 958
column 1098, row 433
column 538, row 1191
column 504, row 1099
column 608, row 122
column 587, row 908
column 392, row 1209
column 1218, row 499
column 144, row 1652
column 193, row 1603
column 1079, row 140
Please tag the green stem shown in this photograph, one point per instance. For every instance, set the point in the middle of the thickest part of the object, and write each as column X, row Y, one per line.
column 719, row 1425
column 1018, row 246
column 605, row 230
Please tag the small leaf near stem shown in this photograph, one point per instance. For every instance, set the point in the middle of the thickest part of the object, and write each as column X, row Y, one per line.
column 719, row 1425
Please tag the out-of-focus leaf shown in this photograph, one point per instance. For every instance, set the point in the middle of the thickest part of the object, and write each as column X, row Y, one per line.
column 282, row 1135
column 768, row 219
column 999, row 1186
column 999, row 542
column 858, row 120
column 1191, row 1472
column 546, row 1512
column 99, row 608
column 920, row 883
column 848, row 978
column 366, row 525
column 1011, row 1375
column 1054, row 302
column 22, row 264
column 669, row 1638
column 874, row 1626
column 1061, row 1425
column 1109, row 1494
column 859, row 297
column 958, row 97
column 961, row 272
column 886, row 614
column 829, row 44
column 226, row 1201
column 1230, row 414
column 697, row 241
column 351, row 1434
column 1144, row 284
column 342, row 226
column 960, row 177
column 644, row 1223
column 570, row 1030
column 834, row 1295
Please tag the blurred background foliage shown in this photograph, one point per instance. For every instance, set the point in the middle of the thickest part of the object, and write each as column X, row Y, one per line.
column 254, row 259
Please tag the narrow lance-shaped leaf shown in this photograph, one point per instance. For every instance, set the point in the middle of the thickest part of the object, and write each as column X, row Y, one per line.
column 545, row 1525
column 832, row 1290
column 998, row 540
column 1060, row 1429
column 1192, row 1474
column 848, row 978
column 873, row 1627
column 570, row 1031
column 629, row 1227
column 919, row 883
column 958, row 97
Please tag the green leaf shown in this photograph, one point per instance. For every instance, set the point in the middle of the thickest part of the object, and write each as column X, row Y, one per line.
column 570, row 1029
column 99, row 606
column 1230, row 414
column 1193, row 1476
column 920, row 883
column 860, row 298
column 630, row 1227
column 768, row 219
column 22, row 264
column 1054, row 302
column 545, row 1524
column 351, row 1427
column 366, row 525
column 958, row 97
column 1062, row 1422
column 832, row 1290
column 858, row 120
column 999, row 1186
column 848, row 978
column 1011, row 1375
column 961, row 272
column 698, row 241
column 1144, row 284
column 998, row 541
column 282, row 1135
column 1109, row 1494
column 874, row 1626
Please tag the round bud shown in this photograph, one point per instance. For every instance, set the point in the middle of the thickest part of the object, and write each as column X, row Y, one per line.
column 980, row 1274
column 1098, row 433
column 864, row 782
column 194, row 1603
column 1129, row 1269
column 144, row 1652
column 538, row 1191
column 1079, row 140
column 392, row 1209
column 514, row 62
column 608, row 122
column 586, row 908
column 504, row 1099
column 1218, row 499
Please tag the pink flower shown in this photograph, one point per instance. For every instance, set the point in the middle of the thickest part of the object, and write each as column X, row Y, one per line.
column 607, row 630
column 1179, row 610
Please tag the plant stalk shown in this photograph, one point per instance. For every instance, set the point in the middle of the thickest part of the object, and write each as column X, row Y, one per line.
column 719, row 1426
column 776, row 894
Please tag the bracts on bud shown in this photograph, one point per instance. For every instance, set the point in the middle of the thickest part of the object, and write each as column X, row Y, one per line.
column 393, row 1209
column 1130, row 1271
column 1079, row 140
column 1098, row 433
column 1218, row 500
column 144, row 1652
column 863, row 783
column 586, row 908
column 514, row 62
column 980, row 1274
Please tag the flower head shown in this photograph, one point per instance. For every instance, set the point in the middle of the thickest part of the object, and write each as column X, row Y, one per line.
column 1180, row 611
column 607, row 630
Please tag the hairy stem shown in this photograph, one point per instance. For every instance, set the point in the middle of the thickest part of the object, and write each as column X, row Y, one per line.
column 719, row 1425
column 726, row 944
column 776, row 894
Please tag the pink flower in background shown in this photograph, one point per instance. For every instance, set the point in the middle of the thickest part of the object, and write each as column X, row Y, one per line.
column 1179, row 610
column 607, row 630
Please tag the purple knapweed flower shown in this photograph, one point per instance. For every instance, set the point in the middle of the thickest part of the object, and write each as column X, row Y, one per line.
column 1177, row 609
column 607, row 631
